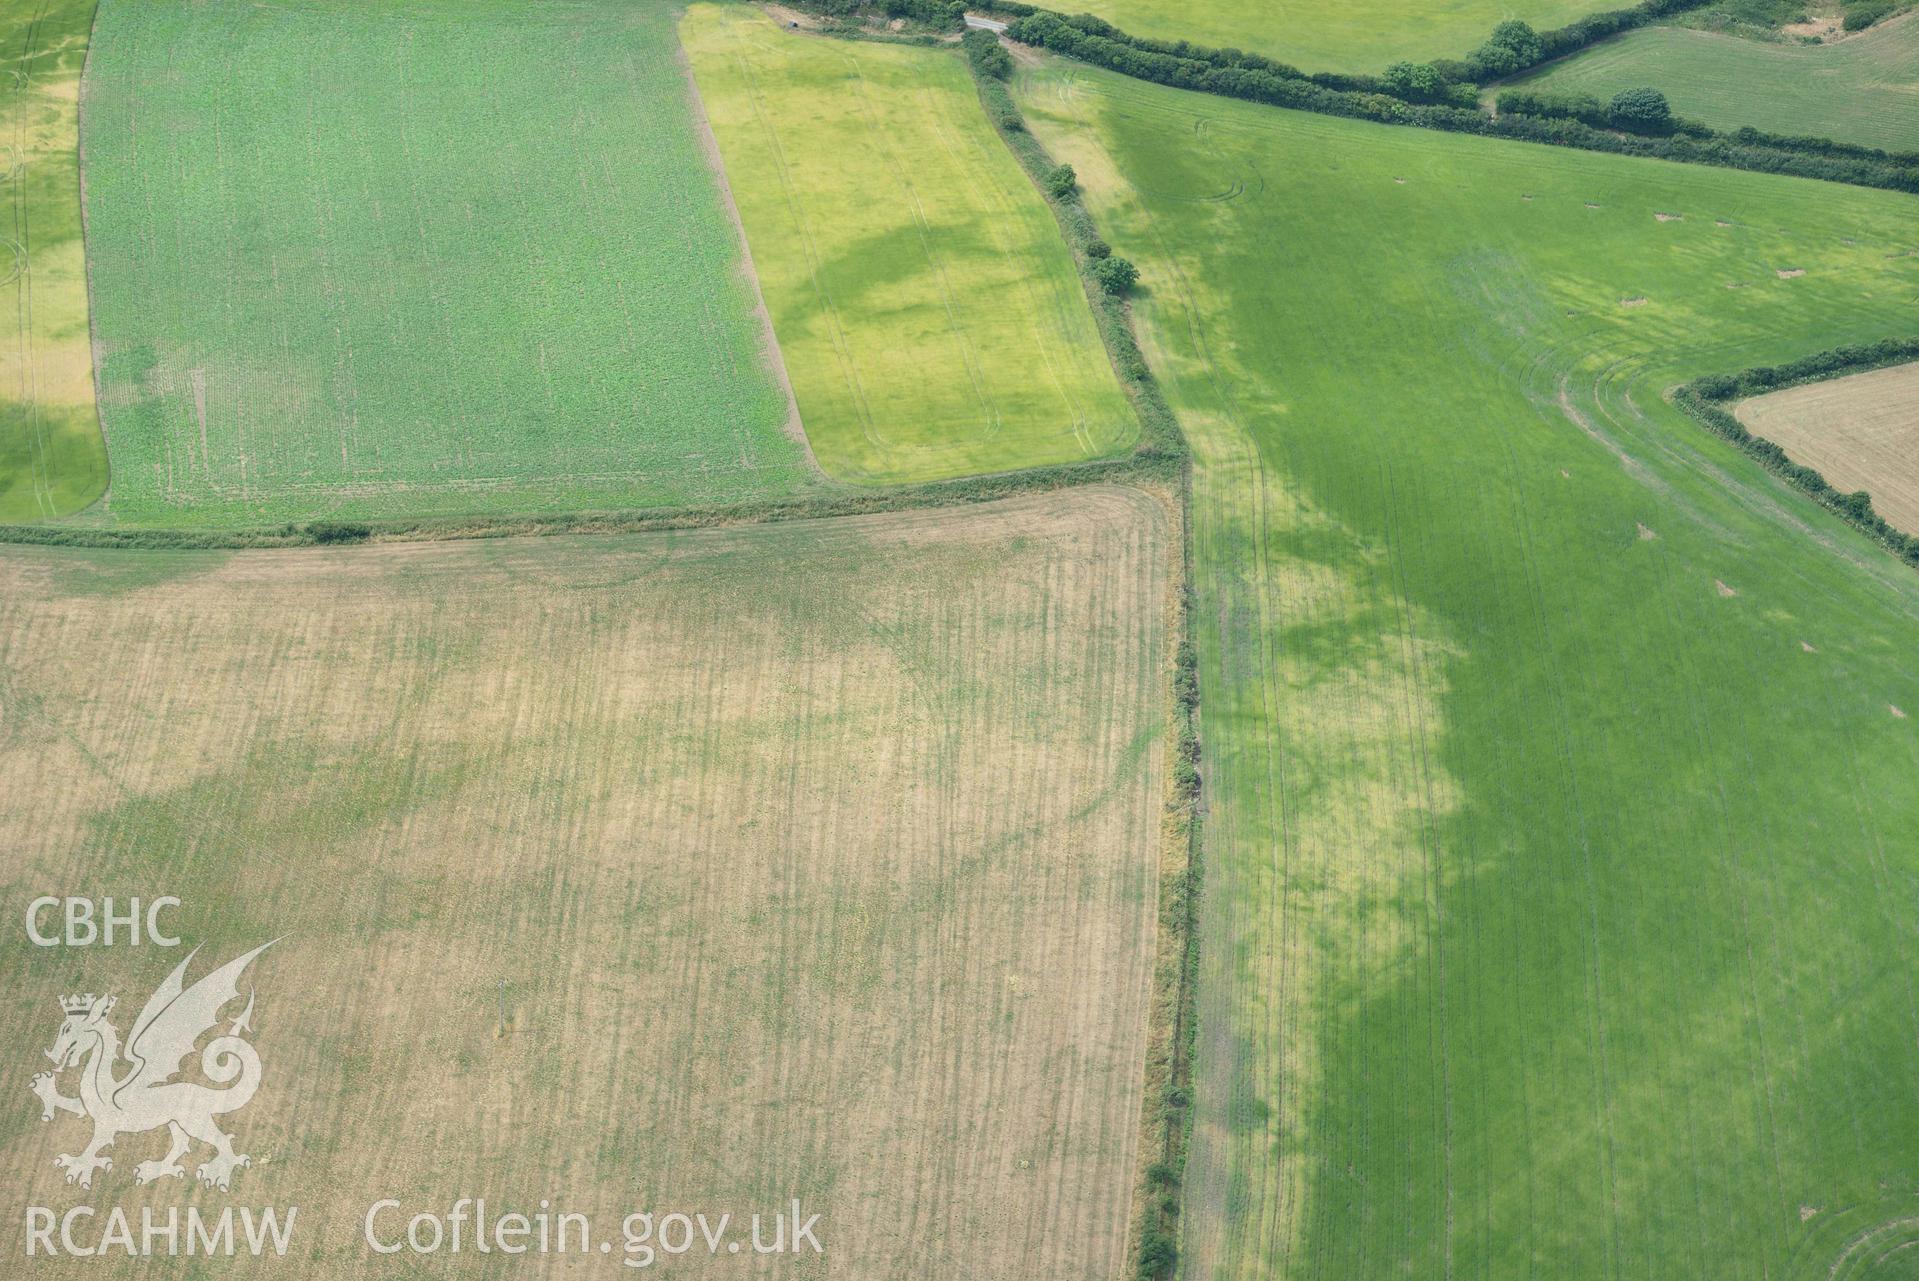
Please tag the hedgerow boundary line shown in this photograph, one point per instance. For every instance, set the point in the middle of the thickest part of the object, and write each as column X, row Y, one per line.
column 1163, row 454
column 1172, row 1028
column 1233, row 74
column 1703, row 399
column 1160, row 435
column 850, row 501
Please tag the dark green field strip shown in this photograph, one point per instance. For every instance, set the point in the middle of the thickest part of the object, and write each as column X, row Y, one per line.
column 369, row 263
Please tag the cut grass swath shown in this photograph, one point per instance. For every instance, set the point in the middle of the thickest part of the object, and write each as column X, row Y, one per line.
column 930, row 318
column 52, row 459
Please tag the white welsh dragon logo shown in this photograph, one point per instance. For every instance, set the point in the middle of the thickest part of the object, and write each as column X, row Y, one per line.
column 146, row 1096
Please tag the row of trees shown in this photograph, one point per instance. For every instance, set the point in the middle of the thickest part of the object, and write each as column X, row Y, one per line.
column 943, row 15
column 1635, row 110
column 1646, row 111
column 1113, row 276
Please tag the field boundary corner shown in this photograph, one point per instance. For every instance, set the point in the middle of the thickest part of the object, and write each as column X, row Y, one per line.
column 1704, row 400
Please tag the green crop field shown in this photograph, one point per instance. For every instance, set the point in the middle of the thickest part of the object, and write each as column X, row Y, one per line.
column 1560, row 775
column 1863, row 88
column 350, row 260
column 1354, row 38
column 52, row 460
column 927, row 309
column 669, row 872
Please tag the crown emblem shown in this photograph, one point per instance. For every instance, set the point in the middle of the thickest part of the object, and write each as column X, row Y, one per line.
column 76, row 1004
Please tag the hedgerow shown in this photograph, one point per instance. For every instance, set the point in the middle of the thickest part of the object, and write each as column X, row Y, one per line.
column 1160, row 436
column 986, row 55
column 1531, row 48
column 943, row 15
column 1234, row 74
column 1703, row 399
column 1168, row 1117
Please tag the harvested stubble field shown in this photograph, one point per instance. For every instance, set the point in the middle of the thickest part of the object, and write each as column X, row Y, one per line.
column 1560, row 847
column 928, row 311
column 365, row 261
column 52, row 460
column 1862, row 88
column 818, row 860
column 1356, row 38
column 1860, row 432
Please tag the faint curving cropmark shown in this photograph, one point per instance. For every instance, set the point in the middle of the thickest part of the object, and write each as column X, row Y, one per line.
column 1884, row 1250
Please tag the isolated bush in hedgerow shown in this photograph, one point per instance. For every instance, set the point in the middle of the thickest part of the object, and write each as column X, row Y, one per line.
column 1512, row 47
column 1640, row 110
column 1861, row 15
column 988, row 55
column 1520, row 38
column 1115, row 275
column 1158, row 1252
column 1097, row 248
column 1417, row 81
column 338, row 531
column 1062, row 182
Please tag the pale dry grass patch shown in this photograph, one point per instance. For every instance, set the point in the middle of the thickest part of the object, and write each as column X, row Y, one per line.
column 816, row 860
column 1859, row 432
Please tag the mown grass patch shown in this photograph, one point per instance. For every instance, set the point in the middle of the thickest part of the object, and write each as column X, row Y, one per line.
column 931, row 320
column 52, row 459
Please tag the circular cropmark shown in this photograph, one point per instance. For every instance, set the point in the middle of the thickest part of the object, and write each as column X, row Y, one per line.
column 9, row 162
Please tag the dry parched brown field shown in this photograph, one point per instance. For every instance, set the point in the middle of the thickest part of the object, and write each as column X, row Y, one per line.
column 817, row 861
column 1860, row 432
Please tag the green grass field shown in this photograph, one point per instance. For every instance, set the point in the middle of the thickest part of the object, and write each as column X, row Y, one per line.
column 928, row 311
column 1561, row 865
column 350, row 261
column 52, row 459
column 1360, row 37
column 817, row 859
column 1863, row 89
